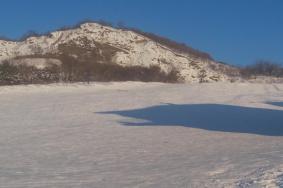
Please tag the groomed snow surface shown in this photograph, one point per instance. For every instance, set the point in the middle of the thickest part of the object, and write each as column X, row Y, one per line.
column 135, row 134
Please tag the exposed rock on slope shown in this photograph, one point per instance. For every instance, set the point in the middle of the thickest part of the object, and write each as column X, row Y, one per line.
column 123, row 47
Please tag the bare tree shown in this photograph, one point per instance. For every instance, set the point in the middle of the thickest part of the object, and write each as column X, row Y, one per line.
column 202, row 75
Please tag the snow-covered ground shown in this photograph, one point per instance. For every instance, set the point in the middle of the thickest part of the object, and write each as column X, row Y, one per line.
column 141, row 135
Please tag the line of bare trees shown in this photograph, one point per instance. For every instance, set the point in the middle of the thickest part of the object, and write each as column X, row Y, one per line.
column 262, row 68
column 85, row 71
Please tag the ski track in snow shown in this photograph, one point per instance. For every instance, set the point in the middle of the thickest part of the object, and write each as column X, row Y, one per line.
column 79, row 135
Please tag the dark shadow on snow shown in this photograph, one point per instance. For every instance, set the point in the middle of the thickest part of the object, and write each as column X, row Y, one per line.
column 280, row 104
column 214, row 117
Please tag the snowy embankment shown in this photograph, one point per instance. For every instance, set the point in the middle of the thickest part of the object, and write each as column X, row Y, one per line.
column 135, row 134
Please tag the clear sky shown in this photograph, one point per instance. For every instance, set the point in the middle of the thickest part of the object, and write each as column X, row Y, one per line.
column 234, row 31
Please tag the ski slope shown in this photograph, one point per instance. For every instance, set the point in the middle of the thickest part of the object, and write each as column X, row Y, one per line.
column 133, row 134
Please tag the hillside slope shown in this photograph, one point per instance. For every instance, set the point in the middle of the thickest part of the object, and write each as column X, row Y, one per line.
column 119, row 46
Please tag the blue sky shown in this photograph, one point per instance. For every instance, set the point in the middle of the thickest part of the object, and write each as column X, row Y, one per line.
column 234, row 31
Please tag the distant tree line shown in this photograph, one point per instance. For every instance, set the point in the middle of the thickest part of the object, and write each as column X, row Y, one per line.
column 86, row 71
column 72, row 70
column 262, row 68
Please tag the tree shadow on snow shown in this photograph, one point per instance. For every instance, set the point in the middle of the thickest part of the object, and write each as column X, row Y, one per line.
column 214, row 117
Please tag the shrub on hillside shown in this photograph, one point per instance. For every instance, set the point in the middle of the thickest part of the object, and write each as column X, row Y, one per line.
column 11, row 74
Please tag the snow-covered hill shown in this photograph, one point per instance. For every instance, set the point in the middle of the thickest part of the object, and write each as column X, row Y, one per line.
column 131, row 47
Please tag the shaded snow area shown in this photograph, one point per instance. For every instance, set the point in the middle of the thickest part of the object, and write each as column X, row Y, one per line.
column 142, row 135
